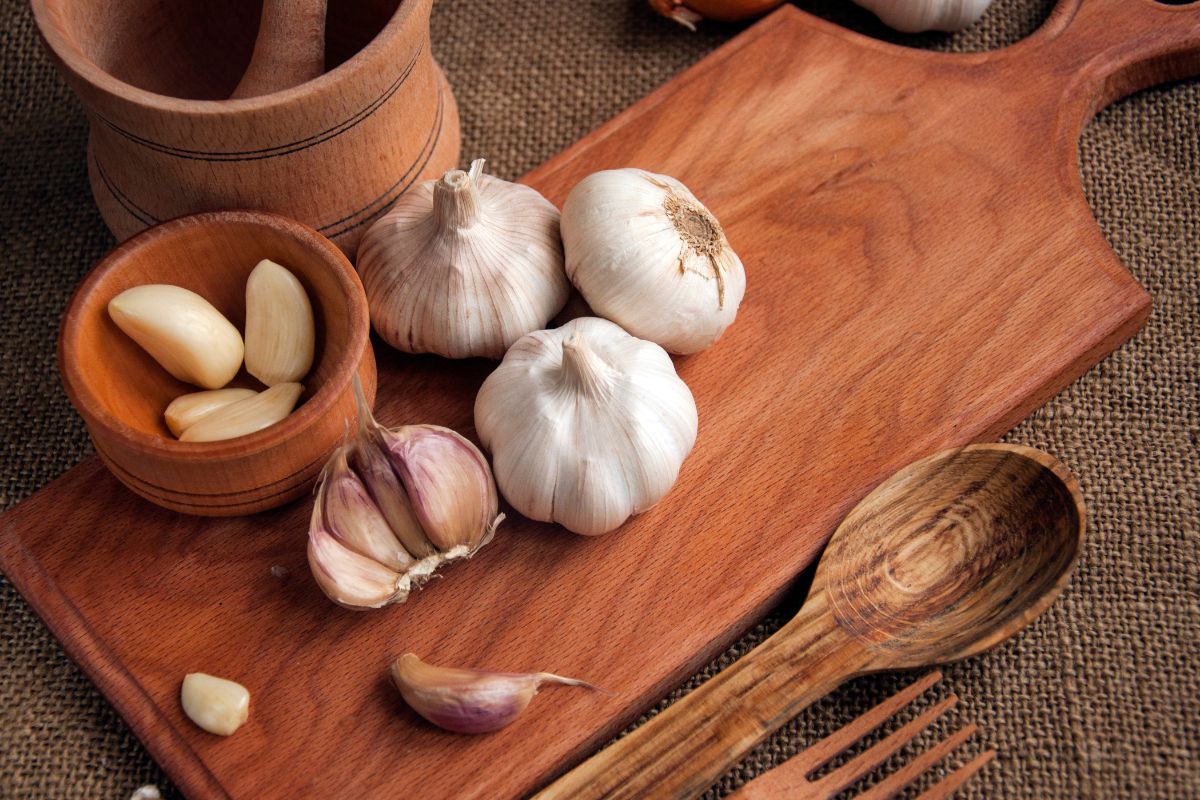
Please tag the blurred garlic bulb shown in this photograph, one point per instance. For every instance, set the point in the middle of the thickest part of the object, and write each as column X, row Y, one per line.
column 914, row 16
column 393, row 506
column 688, row 12
column 463, row 266
column 586, row 424
column 646, row 254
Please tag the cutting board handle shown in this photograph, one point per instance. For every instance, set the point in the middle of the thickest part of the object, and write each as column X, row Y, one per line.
column 1117, row 47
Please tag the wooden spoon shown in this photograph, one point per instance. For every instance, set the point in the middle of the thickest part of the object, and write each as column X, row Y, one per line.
column 289, row 49
column 948, row 557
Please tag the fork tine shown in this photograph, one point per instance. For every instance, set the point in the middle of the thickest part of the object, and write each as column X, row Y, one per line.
column 949, row 784
column 815, row 756
column 875, row 755
column 892, row 784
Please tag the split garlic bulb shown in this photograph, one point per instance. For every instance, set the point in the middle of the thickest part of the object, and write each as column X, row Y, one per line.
column 914, row 16
column 464, row 266
column 394, row 505
column 586, row 424
column 646, row 254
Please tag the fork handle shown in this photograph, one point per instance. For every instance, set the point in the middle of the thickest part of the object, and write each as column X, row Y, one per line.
column 682, row 751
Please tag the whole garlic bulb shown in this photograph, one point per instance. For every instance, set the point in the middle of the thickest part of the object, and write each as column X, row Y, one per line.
column 586, row 424
column 646, row 254
column 914, row 16
column 463, row 266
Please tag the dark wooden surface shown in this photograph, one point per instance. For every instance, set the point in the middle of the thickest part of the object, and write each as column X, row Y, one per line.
column 922, row 270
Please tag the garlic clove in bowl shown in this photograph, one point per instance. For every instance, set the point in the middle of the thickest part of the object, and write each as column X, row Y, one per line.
column 586, row 424
column 646, row 254
column 182, row 331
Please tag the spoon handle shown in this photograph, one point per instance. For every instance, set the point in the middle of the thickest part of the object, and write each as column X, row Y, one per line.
column 683, row 750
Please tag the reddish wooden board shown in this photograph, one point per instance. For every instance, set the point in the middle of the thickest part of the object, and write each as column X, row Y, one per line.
column 923, row 271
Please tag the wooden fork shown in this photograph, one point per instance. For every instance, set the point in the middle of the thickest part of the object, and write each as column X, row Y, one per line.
column 790, row 779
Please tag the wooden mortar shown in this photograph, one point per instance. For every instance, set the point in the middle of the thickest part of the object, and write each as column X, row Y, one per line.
column 334, row 152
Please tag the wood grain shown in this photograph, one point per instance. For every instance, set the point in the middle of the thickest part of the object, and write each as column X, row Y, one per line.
column 946, row 558
column 923, row 271
column 334, row 152
column 121, row 391
column 289, row 48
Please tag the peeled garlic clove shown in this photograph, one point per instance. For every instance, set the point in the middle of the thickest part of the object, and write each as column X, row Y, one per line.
column 349, row 513
column 646, row 254
column 247, row 416
column 442, row 474
column 463, row 266
column 217, row 705
column 914, row 16
column 186, row 410
column 348, row 578
column 280, row 335
column 181, row 331
column 586, row 424
column 467, row 700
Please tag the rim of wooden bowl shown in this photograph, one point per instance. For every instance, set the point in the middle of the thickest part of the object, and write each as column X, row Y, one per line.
column 95, row 412
column 65, row 48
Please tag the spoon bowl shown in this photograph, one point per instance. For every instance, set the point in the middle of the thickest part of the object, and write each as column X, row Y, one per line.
column 953, row 554
column 950, row 556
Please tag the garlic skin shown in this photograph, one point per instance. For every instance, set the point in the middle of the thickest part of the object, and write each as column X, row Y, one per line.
column 688, row 12
column 181, row 331
column 646, row 254
column 463, row 266
column 280, row 333
column 586, row 424
column 428, row 499
column 243, row 417
column 914, row 16
column 468, row 700
column 217, row 705
column 187, row 409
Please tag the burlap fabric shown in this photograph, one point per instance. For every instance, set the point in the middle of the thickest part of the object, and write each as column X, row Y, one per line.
column 1099, row 698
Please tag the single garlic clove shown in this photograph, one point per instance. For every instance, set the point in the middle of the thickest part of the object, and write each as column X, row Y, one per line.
column 449, row 484
column 374, row 467
column 351, row 515
column 247, row 416
column 217, row 705
column 187, row 409
column 467, row 700
column 348, row 578
column 181, row 331
column 280, row 334
column 370, row 460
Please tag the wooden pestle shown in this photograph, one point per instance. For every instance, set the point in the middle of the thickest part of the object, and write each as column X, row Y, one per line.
column 289, row 50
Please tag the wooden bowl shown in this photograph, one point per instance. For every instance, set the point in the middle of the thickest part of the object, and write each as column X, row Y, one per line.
column 334, row 152
column 121, row 392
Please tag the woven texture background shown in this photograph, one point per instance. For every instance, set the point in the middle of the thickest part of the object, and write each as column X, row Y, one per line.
column 1099, row 698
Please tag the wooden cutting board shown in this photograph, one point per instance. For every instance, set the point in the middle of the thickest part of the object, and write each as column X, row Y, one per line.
column 923, row 272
